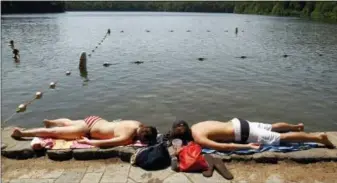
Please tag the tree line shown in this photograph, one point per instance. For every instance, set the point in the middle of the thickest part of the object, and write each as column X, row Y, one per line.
column 320, row 10
column 8, row 7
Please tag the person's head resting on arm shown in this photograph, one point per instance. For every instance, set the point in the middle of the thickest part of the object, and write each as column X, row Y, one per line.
column 147, row 134
column 180, row 130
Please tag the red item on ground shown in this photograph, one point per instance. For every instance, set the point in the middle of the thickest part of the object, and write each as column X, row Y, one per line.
column 191, row 159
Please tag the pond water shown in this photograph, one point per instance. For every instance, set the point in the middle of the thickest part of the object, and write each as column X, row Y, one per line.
column 171, row 83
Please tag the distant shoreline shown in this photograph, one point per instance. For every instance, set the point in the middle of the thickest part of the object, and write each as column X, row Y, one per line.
column 319, row 11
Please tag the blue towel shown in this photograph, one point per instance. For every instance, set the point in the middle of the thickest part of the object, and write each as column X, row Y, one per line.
column 286, row 147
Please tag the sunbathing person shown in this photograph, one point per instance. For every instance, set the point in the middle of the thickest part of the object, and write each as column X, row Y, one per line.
column 101, row 132
column 221, row 135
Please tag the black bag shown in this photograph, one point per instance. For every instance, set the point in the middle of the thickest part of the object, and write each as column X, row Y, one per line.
column 155, row 157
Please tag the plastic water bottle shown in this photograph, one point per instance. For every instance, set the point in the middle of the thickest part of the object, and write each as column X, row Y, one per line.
column 174, row 163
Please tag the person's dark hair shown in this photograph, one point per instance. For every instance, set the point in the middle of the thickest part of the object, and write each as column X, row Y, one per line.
column 150, row 134
column 181, row 130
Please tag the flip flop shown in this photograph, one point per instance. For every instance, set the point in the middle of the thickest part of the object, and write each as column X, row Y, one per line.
column 222, row 169
column 210, row 161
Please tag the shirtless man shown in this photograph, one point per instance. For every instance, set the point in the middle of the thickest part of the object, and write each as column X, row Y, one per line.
column 219, row 135
column 101, row 132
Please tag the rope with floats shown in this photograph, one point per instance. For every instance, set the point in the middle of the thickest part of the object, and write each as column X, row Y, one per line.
column 38, row 95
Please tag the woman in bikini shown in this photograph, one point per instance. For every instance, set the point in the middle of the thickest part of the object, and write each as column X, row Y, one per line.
column 101, row 132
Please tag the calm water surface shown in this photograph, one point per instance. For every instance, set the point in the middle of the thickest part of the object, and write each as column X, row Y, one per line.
column 171, row 84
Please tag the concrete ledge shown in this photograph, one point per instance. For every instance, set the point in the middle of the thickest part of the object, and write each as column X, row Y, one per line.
column 60, row 155
column 21, row 150
column 313, row 155
column 85, row 154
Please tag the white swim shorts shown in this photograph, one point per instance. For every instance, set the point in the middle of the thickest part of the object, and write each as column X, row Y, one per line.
column 258, row 133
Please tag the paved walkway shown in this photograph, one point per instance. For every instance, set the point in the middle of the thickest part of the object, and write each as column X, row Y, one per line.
column 113, row 170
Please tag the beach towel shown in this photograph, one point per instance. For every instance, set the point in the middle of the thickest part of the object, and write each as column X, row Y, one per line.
column 284, row 147
column 48, row 143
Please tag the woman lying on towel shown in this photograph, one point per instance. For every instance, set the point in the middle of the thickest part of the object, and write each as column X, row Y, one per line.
column 220, row 135
column 101, row 132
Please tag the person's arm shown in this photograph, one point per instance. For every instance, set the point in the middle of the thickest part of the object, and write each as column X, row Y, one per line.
column 116, row 141
column 205, row 142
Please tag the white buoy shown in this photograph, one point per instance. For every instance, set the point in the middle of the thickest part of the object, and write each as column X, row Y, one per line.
column 68, row 73
column 52, row 85
column 21, row 108
column 38, row 95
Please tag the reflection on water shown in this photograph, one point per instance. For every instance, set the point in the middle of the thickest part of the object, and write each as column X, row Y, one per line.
column 172, row 82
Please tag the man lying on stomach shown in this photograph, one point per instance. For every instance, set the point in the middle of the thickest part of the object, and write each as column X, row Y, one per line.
column 101, row 132
column 220, row 135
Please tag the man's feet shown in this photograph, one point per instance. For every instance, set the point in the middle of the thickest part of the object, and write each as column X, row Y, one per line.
column 300, row 127
column 48, row 123
column 325, row 140
column 16, row 133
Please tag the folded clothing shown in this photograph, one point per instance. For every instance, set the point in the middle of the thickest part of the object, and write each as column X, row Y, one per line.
column 39, row 143
column 283, row 147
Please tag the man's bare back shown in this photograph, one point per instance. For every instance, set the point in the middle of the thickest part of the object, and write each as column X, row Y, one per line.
column 215, row 130
column 213, row 134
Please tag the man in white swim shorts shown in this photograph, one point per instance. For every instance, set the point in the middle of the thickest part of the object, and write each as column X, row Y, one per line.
column 239, row 134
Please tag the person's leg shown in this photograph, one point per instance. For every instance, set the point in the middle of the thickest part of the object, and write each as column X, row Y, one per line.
column 60, row 122
column 285, row 127
column 306, row 137
column 279, row 126
column 67, row 132
column 262, row 136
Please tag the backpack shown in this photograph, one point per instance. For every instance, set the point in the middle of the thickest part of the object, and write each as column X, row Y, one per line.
column 191, row 159
column 155, row 157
